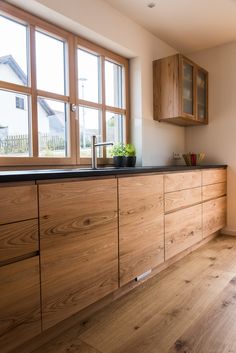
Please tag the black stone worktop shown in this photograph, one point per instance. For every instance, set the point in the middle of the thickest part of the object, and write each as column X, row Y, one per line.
column 44, row 174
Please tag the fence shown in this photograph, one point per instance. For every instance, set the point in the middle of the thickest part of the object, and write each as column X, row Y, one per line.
column 14, row 144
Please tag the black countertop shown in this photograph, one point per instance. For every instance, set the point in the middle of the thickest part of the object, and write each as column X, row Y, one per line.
column 44, row 174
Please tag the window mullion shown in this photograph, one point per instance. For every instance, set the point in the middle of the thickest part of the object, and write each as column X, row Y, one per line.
column 34, row 124
column 73, row 94
column 103, row 103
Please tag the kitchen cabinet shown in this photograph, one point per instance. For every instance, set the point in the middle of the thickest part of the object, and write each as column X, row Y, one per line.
column 214, row 197
column 214, row 176
column 18, row 239
column 96, row 235
column 19, row 303
column 180, row 91
column 141, row 225
column 183, row 229
column 78, row 245
column 213, row 191
column 182, row 181
column 182, row 198
column 20, row 312
column 183, row 211
column 214, row 215
column 18, row 203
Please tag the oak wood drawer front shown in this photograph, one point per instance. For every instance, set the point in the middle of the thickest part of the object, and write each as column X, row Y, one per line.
column 213, row 176
column 214, row 215
column 181, row 181
column 19, row 303
column 183, row 198
column 78, row 244
column 141, row 225
column 213, row 191
column 182, row 230
column 18, row 203
column 17, row 239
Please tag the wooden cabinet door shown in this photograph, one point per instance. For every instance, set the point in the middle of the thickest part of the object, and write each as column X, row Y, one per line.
column 18, row 239
column 18, row 203
column 213, row 176
column 214, row 216
column 79, row 245
column 182, row 198
column 213, row 191
column 188, row 88
column 202, row 95
column 182, row 230
column 141, row 225
column 182, row 181
column 19, row 303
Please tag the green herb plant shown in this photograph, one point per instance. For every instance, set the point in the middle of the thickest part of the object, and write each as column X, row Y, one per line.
column 130, row 150
column 117, row 150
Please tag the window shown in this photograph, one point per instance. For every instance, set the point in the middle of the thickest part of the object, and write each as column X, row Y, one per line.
column 101, row 98
column 39, row 92
column 20, row 103
column 52, row 108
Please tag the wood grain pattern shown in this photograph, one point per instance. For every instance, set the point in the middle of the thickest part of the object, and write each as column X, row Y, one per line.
column 79, row 245
column 182, row 230
column 214, row 215
column 166, row 88
column 68, row 342
column 18, row 203
column 141, row 221
column 183, row 198
column 168, row 91
column 18, row 239
column 213, row 176
column 181, row 181
column 19, row 303
column 213, row 191
column 215, row 329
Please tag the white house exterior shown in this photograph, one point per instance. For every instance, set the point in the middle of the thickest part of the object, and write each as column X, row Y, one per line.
column 14, row 107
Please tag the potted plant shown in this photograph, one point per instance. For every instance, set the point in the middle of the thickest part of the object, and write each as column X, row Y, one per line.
column 130, row 153
column 117, row 151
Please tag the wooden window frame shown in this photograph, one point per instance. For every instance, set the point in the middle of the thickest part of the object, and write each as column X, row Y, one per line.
column 105, row 54
column 73, row 42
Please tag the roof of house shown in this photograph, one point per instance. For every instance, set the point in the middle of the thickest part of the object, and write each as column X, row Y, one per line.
column 11, row 62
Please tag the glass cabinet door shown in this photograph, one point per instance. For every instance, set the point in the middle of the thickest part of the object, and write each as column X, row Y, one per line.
column 201, row 95
column 188, row 88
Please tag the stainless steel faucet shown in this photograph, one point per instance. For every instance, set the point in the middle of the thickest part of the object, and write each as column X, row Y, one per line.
column 95, row 144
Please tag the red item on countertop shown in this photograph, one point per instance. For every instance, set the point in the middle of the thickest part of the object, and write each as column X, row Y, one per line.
column 193, row 159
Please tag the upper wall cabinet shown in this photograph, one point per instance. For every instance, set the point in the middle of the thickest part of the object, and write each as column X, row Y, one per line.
column 180, row 91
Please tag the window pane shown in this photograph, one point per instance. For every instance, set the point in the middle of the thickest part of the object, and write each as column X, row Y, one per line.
column 52, row 128
column 88, row 72
column 113, row 82
column 50, row 63
column 90, row 124
column 13, row 52
column 14, row 125
column 115, row 128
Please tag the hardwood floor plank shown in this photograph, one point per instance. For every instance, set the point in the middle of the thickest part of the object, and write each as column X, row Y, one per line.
column 215, row 329
column 155, row 332
column 68, row 342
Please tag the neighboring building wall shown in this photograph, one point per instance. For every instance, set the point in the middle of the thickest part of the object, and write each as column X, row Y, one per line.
column 217, row 139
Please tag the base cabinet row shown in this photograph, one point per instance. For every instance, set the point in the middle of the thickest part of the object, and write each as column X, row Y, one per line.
column 95, row 235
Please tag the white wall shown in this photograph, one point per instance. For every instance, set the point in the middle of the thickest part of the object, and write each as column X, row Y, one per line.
column 218, row 139
column 98, row 21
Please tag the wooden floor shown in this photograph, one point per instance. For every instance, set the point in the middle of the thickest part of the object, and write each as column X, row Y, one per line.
column 190, row 307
